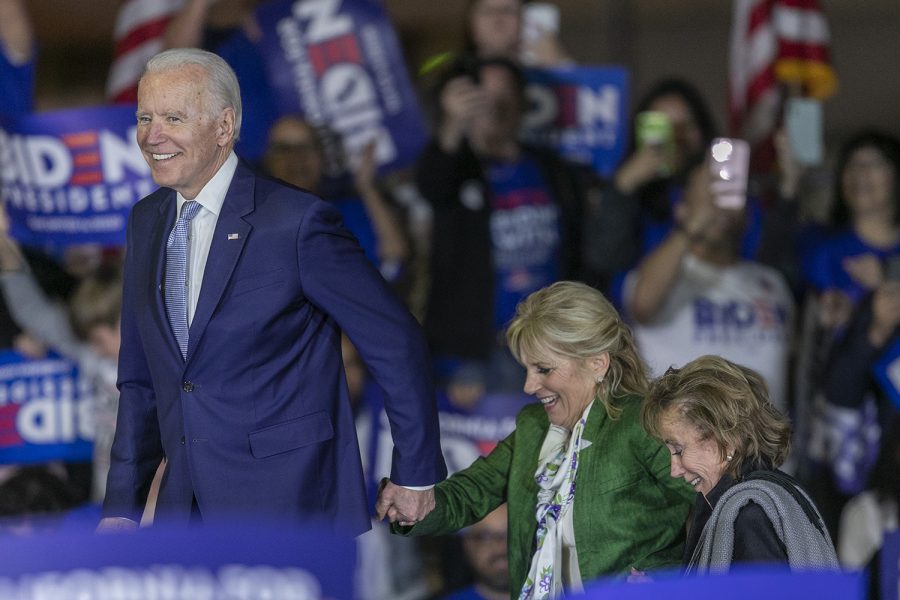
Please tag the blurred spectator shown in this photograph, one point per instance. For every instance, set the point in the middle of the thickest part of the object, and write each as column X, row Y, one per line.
column 87, row 333
column 32, row 500
column 17, row 59
column 506, row 220
column 866, row 217
column 229, row 28
column 484, row 544
column 873, row 513
column 693, row 295
column 494, row 30
column 853, row 409
column 294, row 154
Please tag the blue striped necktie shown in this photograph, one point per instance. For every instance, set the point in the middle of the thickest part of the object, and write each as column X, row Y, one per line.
column 177, row 252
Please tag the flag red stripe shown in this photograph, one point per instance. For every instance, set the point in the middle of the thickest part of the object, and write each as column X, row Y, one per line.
column 140, row 34
column 788, row 49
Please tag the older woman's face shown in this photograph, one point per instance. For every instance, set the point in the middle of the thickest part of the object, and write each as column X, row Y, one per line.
column 565, row 386
column 694, row 459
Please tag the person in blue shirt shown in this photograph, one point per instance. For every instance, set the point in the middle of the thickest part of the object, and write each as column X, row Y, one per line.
column 17, row 59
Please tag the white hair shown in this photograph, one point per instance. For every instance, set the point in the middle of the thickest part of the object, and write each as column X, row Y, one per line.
column 223, row 84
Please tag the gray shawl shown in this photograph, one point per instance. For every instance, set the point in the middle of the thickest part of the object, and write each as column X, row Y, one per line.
column 808, row 546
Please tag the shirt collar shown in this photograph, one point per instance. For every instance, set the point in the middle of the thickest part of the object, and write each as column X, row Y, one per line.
column 212, row 196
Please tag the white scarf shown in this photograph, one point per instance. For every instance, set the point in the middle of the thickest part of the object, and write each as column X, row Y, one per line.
column 556, row 483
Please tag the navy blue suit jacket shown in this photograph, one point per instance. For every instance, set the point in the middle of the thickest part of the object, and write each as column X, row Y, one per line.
column 257, row 420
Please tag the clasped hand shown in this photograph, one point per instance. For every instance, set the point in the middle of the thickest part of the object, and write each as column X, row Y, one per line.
column 402, row 505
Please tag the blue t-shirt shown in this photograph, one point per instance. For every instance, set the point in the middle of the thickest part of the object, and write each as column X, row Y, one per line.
column 525, row 234
column 824, row 269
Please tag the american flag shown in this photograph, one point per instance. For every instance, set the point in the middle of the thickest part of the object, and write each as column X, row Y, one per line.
column 140, row 26
column 775, row 42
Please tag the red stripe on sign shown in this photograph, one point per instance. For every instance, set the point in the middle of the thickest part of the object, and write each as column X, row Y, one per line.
column 317, row 58
column 86, row 159
column 89, row 178
column 80, row 140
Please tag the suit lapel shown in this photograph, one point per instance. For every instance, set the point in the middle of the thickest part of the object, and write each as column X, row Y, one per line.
column 165, row 220
column 224, row 251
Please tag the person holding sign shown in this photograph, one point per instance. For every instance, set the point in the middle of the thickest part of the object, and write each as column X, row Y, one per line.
column 727, row 441
column 588, row 492
column 236, row 290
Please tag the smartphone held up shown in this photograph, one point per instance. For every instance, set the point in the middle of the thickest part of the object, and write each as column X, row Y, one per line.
column 729, row 165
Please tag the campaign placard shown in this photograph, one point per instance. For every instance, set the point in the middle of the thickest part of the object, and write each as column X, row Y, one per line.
column 239, row 562
column 45, row 412
column 72, row 176
column 580, row 112
column 338, row 63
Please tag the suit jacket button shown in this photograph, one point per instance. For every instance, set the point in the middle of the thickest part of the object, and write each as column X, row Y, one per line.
column 187, row 386
column 182, row 440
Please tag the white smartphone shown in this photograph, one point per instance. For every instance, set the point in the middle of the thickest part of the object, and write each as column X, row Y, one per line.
column 729, row 164
column 803, row 123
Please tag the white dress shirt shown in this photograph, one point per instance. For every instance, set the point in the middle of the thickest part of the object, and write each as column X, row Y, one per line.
column 211, row 198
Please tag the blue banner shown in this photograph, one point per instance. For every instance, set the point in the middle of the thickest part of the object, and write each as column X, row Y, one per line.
column 338, row 63
column 45, row 413
column 581, row 112
column 72, row 176
column 237, row 563
column 887, row 372
column 890, row 566
column 750, row 583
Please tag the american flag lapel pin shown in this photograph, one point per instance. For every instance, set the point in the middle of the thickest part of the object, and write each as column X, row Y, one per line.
column 234, row 236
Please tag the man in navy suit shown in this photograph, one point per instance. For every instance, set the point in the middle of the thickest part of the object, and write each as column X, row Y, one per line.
column 248, row 402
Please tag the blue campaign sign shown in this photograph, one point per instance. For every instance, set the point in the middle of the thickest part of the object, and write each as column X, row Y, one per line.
column 581, row 112
column 44, row 413
column 234, row 563
column 739, row 584
column 72, row 176
column 890, row 566
column 887, row 372
column 338, row 63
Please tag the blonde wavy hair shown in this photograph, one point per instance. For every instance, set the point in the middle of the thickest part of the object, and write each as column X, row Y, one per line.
column 574, row 320
column 726, row 402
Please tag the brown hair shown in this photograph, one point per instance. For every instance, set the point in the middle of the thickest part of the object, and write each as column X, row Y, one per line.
column 97, row 301
column 574, row 320
column 725, row 402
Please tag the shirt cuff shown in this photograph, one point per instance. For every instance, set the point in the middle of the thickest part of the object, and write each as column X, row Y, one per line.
column 418, row 488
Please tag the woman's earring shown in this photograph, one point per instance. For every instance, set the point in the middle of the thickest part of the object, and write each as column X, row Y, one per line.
column 728, row 457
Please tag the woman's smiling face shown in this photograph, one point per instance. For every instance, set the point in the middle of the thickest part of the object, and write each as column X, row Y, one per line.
column 565, row 386
column 694, row 458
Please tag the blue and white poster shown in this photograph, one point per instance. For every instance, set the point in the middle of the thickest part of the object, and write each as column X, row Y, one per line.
column 581, row 112
column 45, row 414
column 242, row 562
column 751, row 583
column 338, row 63
column 72, row 176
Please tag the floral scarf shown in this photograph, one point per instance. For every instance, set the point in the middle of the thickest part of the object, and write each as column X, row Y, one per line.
column 556, row 483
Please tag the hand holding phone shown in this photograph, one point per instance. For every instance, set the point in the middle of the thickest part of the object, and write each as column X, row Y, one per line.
column 729, row 168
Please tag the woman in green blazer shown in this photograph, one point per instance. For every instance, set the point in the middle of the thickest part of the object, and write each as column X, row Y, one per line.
column 626, row 513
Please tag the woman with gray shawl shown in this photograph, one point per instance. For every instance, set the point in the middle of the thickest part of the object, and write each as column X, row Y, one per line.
column 727, row 441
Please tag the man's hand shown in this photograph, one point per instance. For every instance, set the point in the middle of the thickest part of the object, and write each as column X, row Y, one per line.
column 116, row 525
column 402, row 505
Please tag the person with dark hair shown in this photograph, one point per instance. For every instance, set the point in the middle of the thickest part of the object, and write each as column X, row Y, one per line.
column 506, row 219
column 727, row 440
column 865, row 217
column 31, row 499
column 587, row 489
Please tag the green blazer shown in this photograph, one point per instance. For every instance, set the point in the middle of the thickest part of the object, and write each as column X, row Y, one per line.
column 629, row 512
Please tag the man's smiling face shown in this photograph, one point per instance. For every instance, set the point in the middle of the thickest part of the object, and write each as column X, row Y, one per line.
column 182, row 135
